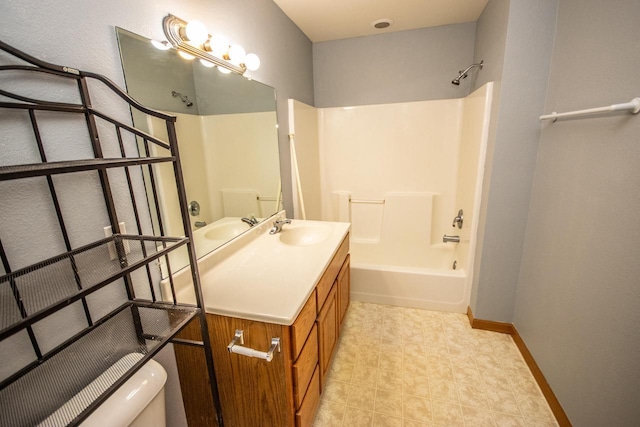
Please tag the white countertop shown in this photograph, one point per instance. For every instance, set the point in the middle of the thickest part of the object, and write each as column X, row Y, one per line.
column 258, row 277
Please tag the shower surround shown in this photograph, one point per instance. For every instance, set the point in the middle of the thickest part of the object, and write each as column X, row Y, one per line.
column 400, row 173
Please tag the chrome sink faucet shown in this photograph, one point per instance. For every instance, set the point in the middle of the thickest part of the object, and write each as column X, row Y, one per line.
column 251, row 221
column 277, row 225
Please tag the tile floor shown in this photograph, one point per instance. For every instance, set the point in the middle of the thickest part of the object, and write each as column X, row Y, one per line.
column 398, row 366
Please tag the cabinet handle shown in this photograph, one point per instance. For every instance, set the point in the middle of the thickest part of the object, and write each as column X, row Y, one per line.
column 238, row 338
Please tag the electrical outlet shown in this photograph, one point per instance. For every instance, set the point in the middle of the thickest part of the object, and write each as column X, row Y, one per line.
column 111, row 246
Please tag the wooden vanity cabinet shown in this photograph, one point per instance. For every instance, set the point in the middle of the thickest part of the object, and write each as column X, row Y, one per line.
column 327, row 333
column 344, row 289
column 285, row 391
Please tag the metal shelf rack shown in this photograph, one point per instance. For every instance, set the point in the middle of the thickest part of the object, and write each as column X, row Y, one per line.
column 51, row 387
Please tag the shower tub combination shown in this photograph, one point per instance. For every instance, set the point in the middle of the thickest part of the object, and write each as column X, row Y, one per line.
column 398, row 255
column 396, row 260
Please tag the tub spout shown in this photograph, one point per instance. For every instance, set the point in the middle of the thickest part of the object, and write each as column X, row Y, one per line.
column 453, row 239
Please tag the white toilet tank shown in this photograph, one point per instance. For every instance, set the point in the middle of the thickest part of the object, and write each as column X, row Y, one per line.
column 139, row 402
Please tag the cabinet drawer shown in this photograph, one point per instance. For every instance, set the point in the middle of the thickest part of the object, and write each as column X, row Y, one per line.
column 303, row 324
column 330, row 274
column 305, row 366
column 307, row 411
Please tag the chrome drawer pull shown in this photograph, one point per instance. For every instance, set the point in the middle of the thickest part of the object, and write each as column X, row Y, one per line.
column 238, row 338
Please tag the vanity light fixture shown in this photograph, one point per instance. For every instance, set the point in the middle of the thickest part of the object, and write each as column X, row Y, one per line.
column 161, row 45
column 192, row 38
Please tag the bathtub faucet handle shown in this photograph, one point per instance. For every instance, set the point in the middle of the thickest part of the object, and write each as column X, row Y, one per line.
column 459, row 219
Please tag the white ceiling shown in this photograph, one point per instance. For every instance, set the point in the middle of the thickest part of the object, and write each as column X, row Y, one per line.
column 324, row 20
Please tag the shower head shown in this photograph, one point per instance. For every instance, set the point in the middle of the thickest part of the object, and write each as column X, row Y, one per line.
column 182, row 97
column 462, row 74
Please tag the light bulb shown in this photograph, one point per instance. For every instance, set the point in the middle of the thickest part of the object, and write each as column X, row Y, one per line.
column 224, row 70
column 252, row 62
column 237, row 54
column 186, row 55
column 218, row 46
column 161, row 45
column 207, row 63
column 196, row 32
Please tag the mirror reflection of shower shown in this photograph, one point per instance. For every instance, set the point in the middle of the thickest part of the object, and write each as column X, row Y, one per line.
column 182, row 97
column 462, row 74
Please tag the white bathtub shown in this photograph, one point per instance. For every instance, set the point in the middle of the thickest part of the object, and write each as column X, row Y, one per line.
column 410, row 277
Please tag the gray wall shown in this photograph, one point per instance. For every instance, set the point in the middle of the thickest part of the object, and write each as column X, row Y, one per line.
column 405, row 66
column 80, row 33
column 512, row 154
column 578, row 291
column 490, row 45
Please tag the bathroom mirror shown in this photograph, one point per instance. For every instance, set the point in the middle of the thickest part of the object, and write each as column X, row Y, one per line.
column 227, row 140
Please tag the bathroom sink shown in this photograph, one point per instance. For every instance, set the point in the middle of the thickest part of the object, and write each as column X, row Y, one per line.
column 226, row 230
column 303, row 235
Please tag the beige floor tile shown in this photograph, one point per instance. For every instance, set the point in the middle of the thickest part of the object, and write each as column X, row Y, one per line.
column 414, row 349
column 503, row 401
column 336, row 391
column 430, row 367
column 416, row 408
column 473, row 396
column 416, row 385
column 540, row 423
column 447, row 414
column 444, row 391
column 414, row 366
column 371, row 342
column 508, row 420
column 361, row 397
column 442, row 371
column 370, row 360
column 413, row 423
column 524, row 384
column 391, row 362
column 364, row 376
column 388, row 403
column 329, row 414
column 467, row 375
column 390, row 381
column 355, row 417
column 381, row 420
column 434, row 336
column 434, row 349
column 391, row 339
column 496, row 381
column 534, row 407
column 463, row 359
column 341, row 372
column 347, row 349
column 371, row 329
column 477, row 417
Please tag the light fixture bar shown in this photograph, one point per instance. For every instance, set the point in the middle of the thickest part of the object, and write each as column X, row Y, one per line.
column 172, row 26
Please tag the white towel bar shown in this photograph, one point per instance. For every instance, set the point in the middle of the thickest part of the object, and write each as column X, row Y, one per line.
column 370, row 202
column 632, row 106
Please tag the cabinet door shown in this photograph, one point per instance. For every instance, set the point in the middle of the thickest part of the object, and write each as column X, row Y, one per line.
column 327, row 333
column 344, row 289
column 253, row 392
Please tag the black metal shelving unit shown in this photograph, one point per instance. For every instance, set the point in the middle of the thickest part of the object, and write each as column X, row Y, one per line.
column 110, row 347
